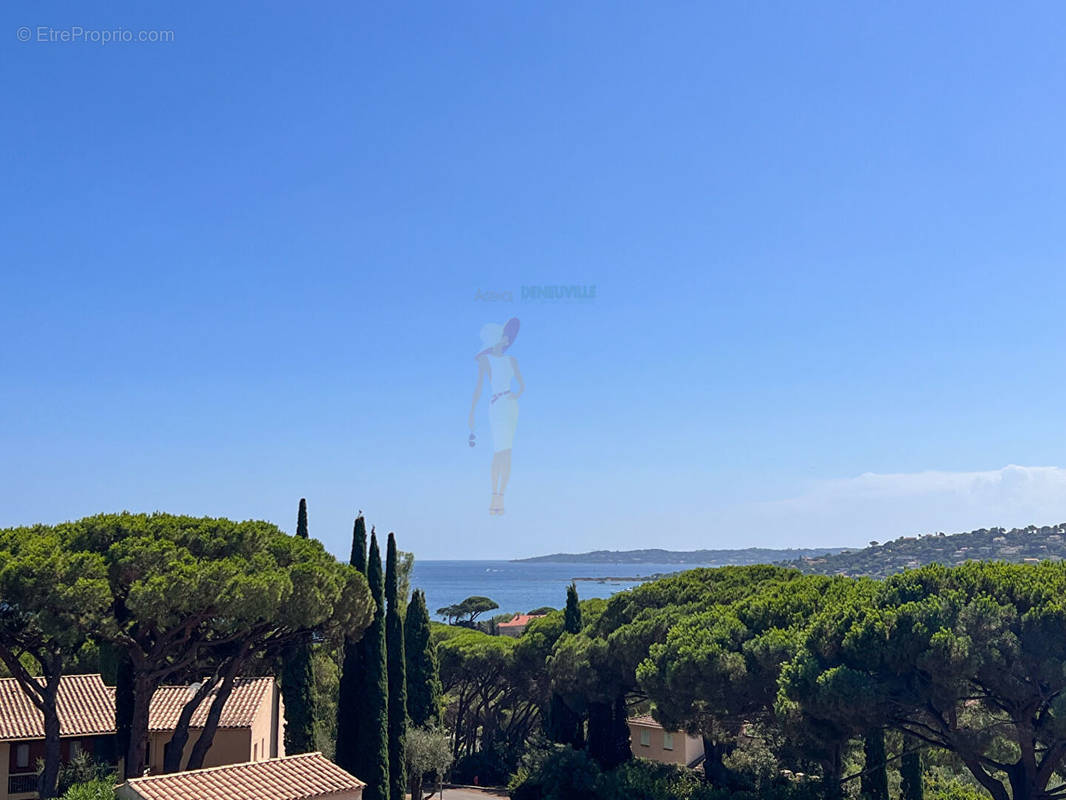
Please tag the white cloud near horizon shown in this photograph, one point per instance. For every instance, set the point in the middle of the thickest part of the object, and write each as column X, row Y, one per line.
column 851, row 511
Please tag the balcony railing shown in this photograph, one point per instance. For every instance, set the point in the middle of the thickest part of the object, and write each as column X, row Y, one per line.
column 21, row 784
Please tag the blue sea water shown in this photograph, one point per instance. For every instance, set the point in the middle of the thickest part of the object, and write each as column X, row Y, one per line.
column 522, row 587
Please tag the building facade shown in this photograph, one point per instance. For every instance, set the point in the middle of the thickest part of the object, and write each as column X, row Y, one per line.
column 250, row 728
column 648, row 739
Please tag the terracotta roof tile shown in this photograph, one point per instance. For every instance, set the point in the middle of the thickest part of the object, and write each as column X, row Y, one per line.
column 293, row 778
column 520, row 621
column 646, row 720
column 87, row 707
column 239, row 711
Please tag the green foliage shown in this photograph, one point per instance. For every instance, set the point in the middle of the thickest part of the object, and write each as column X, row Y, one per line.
column 397, row 676
column 350, row 723
column 555, row 773
column 372, row 754
column 100, row 789
column 467, row 612
column 297, row 679
column 941, row 788
column 423, row 672
column 558, row 773
column 428, row 753
column 184, row 586
column 326, row 662
column 494, row 699
column 572, row 617
column 301, row 520
column 82, row 770
column 53, row 597
column 969, row 659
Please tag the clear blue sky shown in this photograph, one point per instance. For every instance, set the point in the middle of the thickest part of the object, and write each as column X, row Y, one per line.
column 826, row 240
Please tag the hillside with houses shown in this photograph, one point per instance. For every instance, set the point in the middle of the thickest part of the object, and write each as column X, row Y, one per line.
column 1031, row 545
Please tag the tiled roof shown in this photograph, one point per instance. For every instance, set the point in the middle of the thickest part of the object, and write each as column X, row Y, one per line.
column 247, row 698
column 520, row 621
column 293, row 778
column 87, row 707
column 646, row 720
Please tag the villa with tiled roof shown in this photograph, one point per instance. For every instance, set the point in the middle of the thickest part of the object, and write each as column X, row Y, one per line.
column 250, row 728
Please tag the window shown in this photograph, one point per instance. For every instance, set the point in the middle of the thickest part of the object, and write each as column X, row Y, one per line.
column 668, row 741
column 645, row 738
column 148, row 754
column 255, row 751
column 75, row 749
column 22, row 755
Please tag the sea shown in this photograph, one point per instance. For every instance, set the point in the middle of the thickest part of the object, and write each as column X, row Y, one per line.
column 522, row 587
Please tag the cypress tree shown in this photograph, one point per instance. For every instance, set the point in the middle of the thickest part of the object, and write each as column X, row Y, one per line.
column 565, row 726
column 301, row 520
column 372, row 755
column 874, row 781
column 572, row 615
column 910, row 770
column 423, row 672
column 397, row 670
column 297, row 680
column 349, row 723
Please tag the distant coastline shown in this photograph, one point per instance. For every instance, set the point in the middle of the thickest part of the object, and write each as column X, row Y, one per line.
column 690, row 558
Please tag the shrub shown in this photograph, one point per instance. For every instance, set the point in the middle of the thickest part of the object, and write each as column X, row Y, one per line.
column 555, row 772
column 100, row 789
column 938, row 787
column 84, row 770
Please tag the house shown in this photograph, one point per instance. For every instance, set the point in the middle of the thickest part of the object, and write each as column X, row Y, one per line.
column 305, row 777
column 517, row 625
column 648, row 739
column 250, row 728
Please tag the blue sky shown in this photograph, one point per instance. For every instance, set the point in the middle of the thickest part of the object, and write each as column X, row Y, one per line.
column 826, row 241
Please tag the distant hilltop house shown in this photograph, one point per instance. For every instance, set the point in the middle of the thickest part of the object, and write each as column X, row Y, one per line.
column 249, row 730
column 303, row 777
column 517, row 625
column 649, row 739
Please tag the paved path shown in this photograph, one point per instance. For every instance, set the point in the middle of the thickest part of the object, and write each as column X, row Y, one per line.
column 470, row 794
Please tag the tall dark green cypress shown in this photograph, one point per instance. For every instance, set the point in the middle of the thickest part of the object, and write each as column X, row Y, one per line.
column 572, row 615
column 874, row 780
column 301, row 520
column 349, row 723
column 565, row 725
column 397, row 669
column 910, row 771
column 372, row 756
column 423, row 671
column 297, row 680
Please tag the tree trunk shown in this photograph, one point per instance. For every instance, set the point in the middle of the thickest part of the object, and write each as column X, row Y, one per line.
column 50, row 775
column 599, row 732
column 910, row 771
column 175, row 748
column 143, row 689
column 207, row 735
column 622, row 750
column 832, row 767
column 874, row 779
column 1023, row 783
column 714, row 768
